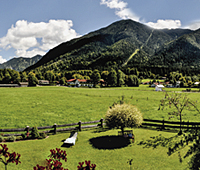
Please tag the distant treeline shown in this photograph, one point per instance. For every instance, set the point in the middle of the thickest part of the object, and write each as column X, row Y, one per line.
column 125, row 76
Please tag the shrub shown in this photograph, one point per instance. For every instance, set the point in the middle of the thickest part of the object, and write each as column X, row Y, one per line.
column 7, row 157
column 88, row 166
column 1, row 138
column 123, row 115
column 19, row 138
column 23, row 135
column 42, row 135
column 11, row 138
column 34, row 133
column 97, row 86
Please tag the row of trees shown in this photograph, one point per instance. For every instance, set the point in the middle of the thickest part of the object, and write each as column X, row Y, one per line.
column 185, row 81
column 112, row 77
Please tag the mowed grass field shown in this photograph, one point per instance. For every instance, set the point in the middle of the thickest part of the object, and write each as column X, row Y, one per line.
column 144, row 158
column 41, row 106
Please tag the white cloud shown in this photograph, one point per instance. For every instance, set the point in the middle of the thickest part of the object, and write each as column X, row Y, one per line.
column 117, row 4
column 121, row 9
column 160, row 24
column 194, row 25
column 2, row 60
column 29, row 39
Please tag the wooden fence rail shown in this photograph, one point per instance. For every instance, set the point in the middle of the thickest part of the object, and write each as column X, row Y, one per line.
column 161, row 124
column 56, row 128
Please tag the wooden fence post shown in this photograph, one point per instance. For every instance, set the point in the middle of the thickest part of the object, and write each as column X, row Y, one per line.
column 163, row 124
column 101, row 122
column 27, row 129
column 196, row 129
column 79, row 125
column 54, row 126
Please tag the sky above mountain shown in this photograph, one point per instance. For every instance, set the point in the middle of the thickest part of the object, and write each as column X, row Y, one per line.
column 29, row 28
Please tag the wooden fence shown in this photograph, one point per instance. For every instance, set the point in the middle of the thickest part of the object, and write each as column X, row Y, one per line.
column 56, row 128
column 161, row 124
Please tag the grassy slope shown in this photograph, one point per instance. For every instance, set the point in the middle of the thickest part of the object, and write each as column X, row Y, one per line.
column 41, row 106
column 144, row 158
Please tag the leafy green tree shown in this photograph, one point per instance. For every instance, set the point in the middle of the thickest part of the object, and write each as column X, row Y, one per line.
column 112, row 77
column 63, row 81
column 132, row 80
column 178, row 103
column 136, row 81
column 39, row 76
column 120, row 78
column 7, row 77
column 77, row 76
column 16, row 77
column 87, row 77
column 1, row 76
column 123, row 115
column 50, row 76
column 104, row 76
column 24, row 77
column 32, row 79
column 96, row 77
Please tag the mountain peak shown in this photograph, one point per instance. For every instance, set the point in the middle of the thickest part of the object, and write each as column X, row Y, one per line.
column 121, row 41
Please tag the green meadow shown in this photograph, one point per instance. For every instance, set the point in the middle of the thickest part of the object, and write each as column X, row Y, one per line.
column 42, row 106
column 144, row 158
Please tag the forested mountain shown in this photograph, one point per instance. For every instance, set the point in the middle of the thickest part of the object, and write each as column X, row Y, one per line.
column 19, row 64
column 125, row 43
column 183, row 52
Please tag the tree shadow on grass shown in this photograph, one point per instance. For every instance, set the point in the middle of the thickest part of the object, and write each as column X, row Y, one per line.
column 109, row 142
column 66, row 145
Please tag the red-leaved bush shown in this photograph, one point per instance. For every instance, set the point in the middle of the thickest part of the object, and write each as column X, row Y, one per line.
column 7, row 157
column 88, row 166
column 54, row 162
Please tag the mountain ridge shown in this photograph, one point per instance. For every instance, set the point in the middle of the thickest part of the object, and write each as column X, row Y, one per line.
column 111, row 46
column 20, row 63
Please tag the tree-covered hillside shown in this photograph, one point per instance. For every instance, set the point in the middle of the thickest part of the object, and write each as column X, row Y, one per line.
column 183, row 52
column 111, row 47
column 19, row 64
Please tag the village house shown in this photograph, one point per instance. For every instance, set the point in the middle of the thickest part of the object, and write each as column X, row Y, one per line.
column 23, row 84
column 79, row 82
column 20, row 84
column 159, row 87
column 43, row 82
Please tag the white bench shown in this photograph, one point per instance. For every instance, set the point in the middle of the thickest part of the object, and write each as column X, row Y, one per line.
column 72, row 139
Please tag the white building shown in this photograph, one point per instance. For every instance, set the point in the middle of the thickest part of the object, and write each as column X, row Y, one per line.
column 159, row 87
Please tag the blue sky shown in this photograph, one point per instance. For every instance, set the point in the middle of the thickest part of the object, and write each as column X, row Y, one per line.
column 29, row 28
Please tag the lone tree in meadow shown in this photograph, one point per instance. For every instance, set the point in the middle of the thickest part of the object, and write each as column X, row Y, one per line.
column 123, row 115
column 177, row 103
